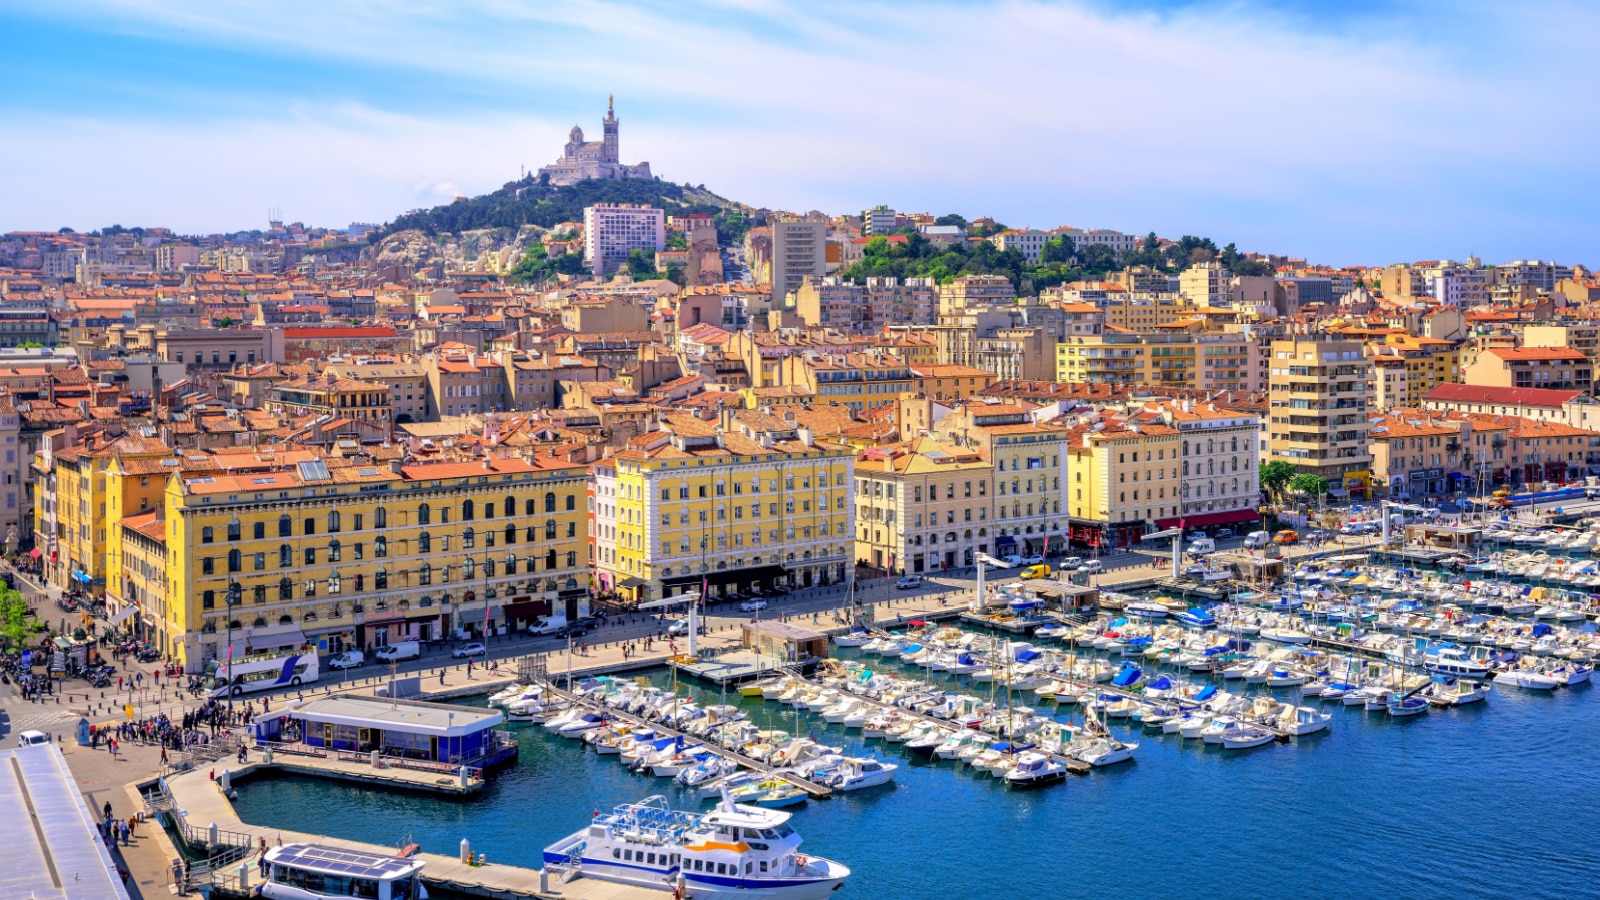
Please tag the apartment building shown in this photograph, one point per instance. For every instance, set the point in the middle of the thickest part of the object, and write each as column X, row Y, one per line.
column 406, row 383
column 613, row 230
column 1538, row 274
column 1122, row 478
column 799, row 249
column 922, row 506
column 1027, row 460
column 358, row 556
column 1550, row 368
column 1319, row 396
column 1407, row 367
column 744, row 500
column 1206, row 284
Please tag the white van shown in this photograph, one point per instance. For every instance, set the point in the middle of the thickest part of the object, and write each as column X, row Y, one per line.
column 1255, row 540
column 350, row 659
column 549, row 625
column 397, row 652
column 29, row 738
column 1202, row 546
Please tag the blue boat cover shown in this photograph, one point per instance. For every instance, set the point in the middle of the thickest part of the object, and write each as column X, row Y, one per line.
column 1540, row 629
column 1160, row 684
column 965, row 659
column 1127, row 676
column 1028, row 655
column 1205, row 693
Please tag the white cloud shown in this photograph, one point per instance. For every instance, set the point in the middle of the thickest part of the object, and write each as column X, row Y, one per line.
column 1220, row 120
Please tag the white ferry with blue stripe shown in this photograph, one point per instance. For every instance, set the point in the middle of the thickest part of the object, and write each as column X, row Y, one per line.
column 734, row 851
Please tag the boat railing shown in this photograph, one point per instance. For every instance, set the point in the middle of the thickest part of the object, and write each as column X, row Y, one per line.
column 293, row 749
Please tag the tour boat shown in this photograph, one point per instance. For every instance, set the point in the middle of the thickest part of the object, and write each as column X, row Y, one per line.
column 319, row 872
column 734, row 851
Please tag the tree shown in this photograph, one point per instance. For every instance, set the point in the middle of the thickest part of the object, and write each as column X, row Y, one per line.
column 13, row 617
column 1057, row 250
column 1275, row 476
column 1309, row 484
column 641, row 262
column 952, row 219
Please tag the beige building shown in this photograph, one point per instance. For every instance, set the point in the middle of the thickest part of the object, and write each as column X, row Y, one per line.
column 1551, row 368
column 1122, row 480
column 1027, row 460
column 1320, row 396
column 1206, row 284
column 799, row 248
column 922, row 506
column 407, row 383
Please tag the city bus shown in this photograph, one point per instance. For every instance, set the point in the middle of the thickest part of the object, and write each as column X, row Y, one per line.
column 264, row 671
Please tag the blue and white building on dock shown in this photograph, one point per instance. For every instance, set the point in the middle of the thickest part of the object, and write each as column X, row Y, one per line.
column 408, row 729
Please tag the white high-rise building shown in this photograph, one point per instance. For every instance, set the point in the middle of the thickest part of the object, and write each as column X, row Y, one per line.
column 612, row 230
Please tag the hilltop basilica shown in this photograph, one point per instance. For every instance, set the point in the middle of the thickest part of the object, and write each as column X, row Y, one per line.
column 593, row 159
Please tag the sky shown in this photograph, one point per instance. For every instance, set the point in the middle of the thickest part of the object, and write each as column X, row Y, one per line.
column 1355, row 132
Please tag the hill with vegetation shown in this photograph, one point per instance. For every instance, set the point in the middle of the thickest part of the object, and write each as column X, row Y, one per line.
column 534, row 201
column 910, row 255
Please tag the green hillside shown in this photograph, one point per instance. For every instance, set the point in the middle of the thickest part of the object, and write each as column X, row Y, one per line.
column 533, row 202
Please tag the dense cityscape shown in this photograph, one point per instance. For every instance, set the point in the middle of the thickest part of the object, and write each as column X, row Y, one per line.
column 408, row 504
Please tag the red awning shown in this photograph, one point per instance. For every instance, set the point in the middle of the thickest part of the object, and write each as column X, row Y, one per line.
column 35, row 553
column 1221, row 518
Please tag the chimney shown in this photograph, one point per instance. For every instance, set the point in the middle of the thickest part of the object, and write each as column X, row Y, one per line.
column 488, row 463
column 805, row 436
column 394, row 466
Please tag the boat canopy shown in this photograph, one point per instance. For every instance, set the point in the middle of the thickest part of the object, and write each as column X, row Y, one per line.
column 966, row 659
column 1028, row 656
column 1205, row 693
column 1160, row 684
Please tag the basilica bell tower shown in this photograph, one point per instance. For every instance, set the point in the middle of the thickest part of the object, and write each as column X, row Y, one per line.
column 610, row 152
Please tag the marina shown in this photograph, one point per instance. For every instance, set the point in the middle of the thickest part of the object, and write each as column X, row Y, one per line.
column 1278, row 657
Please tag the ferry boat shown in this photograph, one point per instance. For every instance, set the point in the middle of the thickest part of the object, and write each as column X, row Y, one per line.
column 318, row 872
column 734, row 851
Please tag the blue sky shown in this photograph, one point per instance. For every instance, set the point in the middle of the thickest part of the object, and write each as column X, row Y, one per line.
column 1354, row 132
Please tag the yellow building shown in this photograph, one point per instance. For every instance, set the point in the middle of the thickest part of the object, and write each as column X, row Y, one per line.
column 1124, row 480
column 949, row 382
column 922, row 506
column 73, row 503
column 1427, row 363
column 1115, row 357
column 359, row 555
column 745, row 500
column 1144, row 314
column 858, row 380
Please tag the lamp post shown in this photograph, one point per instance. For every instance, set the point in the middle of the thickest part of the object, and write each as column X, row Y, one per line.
column 235, row 594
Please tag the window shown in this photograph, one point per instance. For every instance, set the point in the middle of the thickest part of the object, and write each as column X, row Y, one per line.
column 259, row 530
column 550, row 502
column 424, row 514
column 425, row 542
column 527, row 506
column 380, row 579
column 333, row 522
column 311, row 526
column 466, row 510
column 335, row 551
column 511, row 533
column 425, row 574
column 285, row 588
column 380, row 547
column 285, row 556
column 572, row 529
column 208, row 535
column 380, row 518
column 261, row 561
column 235, row 560
column 208, row 599
column 206, row 566
column 285, row 526
column 469, row 538
column 572, row 502
column 311, row 556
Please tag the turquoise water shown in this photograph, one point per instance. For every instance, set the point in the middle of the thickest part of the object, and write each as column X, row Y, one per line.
column 1495, row 799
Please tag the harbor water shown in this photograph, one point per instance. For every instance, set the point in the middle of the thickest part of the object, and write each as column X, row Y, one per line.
column 1478, row 801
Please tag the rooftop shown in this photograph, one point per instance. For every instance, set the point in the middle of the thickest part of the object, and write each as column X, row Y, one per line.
column 412, row 716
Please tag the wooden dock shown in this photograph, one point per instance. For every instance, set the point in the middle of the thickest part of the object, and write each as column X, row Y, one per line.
column 815, row 790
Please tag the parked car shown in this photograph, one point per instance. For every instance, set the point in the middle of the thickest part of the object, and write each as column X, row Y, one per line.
column 680, row 627
column 1092, row 567
column 1033, row 560
column 1591, row 493
column 1070, row 563
column 589, row 622
column 469, row 650
column 398, row 651
column 549, row 625
column 350, row 659
column 1011, row 561
column 1318, row 535
column 753, row 605
column 29, row 738
column 1036, row 571
column 574, row 629
column 1255, row 540
column 909, row 582
column 1225, row 532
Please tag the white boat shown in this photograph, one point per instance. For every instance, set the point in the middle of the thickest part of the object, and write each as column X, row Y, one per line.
column 854, row 774
column 1456, row 692
column 1456, row 663
column 309, row 872
column 1102, row 751
column 1285, row 635
column 1243, row 737
column 650, row 845
column 1034, row 769
column 854, row 638
column 1300, row 721
column 1528, row 679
